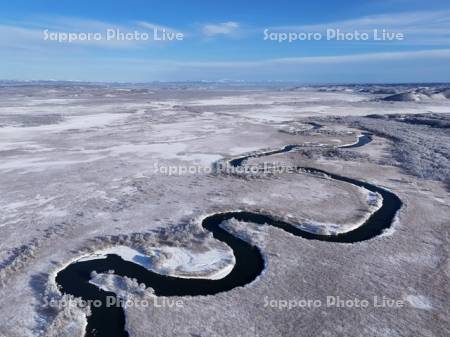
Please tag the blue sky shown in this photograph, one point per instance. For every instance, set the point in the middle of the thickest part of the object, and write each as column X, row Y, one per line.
column 225, row 40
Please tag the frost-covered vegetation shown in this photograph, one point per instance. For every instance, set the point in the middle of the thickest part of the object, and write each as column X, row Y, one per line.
column 77, row 176
column 419, row 143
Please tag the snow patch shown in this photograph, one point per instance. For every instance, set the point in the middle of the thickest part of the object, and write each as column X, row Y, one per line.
column 71, row 123
column 179, row 262
column 419, row 302
column 374, row 201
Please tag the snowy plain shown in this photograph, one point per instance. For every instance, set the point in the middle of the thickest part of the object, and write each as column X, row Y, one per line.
column 79, row 177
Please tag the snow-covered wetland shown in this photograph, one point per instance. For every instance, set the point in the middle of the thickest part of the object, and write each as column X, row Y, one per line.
column 336, row 223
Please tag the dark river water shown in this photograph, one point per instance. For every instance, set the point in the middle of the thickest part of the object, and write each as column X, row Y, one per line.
column 363, row 139
column 109, row 321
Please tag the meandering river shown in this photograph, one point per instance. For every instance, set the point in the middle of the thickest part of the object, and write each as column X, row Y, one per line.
column 110, row 321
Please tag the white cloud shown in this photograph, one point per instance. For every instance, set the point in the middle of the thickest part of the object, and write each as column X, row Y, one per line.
column 224, row 28
column 21, row 35
column 368, row 57
column 425, row 27
column 152, row 26
column 340, row 59
column 412, row 66
column 424, row 65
